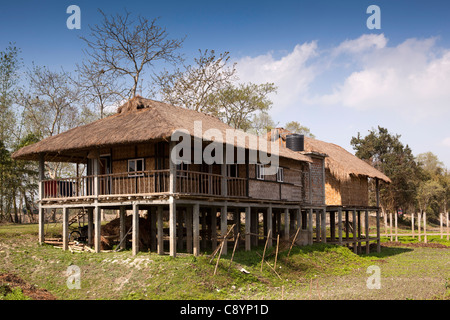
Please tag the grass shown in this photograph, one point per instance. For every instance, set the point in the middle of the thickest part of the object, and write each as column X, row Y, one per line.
column 317, row 271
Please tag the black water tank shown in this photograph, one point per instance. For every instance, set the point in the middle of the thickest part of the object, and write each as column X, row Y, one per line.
column 295, row 142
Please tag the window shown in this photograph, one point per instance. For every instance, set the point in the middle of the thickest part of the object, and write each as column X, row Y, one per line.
column 280, row 174
column 135, row 167
column 260, row 172
column 232, row 170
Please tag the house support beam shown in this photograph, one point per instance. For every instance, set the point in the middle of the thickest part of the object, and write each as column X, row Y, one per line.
column 269, row 226
column 172, row 227
column 213, row 228
column 135, row 236
column 247, row 229
column 340, row 225
column 122, row 231
column 41, row 195
column 355, row 242
column 310, row 226
column 65, row 216
column 196, row 227
column 366, row 225
column 224, row 227
column 97, row 228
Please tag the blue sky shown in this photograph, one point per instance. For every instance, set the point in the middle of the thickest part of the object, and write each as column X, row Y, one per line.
column 334, row 74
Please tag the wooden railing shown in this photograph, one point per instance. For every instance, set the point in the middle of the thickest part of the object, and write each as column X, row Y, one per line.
column 237, row 187
column 192, row 182
column 144, row 182
column 68, row 187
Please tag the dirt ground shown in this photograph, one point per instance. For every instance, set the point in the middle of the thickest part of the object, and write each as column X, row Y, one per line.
column 28, row 290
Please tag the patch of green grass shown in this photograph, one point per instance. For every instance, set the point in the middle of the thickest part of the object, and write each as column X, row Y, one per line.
column 7, row 293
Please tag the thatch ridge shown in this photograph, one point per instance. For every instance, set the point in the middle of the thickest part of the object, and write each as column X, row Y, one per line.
column 138, row 120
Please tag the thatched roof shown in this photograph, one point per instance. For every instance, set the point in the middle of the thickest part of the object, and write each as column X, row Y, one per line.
column 139, row 120
column 341, row 163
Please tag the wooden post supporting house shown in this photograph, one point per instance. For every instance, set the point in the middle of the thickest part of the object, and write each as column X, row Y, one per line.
column 247, row 229
column 172, row 204
column 359, row 231
column 269, row 225
column 97, row 228
column 340, row 225
column 160, row 230
column 135, row 226
column 90, row 230
column 286, row 224
column 41, row 196
column 378, row 231
column 65, row 216
column 196, row 228
column 366, row 225
column 310, row 226
column 122, row 227
column 318, row 233
column 355, row 242
column 213, row 229
column 224, row 227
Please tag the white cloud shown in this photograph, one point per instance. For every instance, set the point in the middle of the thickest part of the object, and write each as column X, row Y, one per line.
column 411, row 78
column 291, row 73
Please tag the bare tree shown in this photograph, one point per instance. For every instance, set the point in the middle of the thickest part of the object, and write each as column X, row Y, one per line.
column 50, row 106
column 98, row 89
column 122, row 46
column 191, row 87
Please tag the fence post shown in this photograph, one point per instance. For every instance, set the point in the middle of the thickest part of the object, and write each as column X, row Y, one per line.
column 425, row 227
column 390, row 224
column 419, row 218
column 412, row 224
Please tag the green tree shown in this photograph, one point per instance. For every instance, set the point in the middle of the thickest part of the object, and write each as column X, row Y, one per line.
column 430, row 163
column 387, row 153
column 237, row 104
column 296, row 127
column 430, row 194
column 9, row 70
